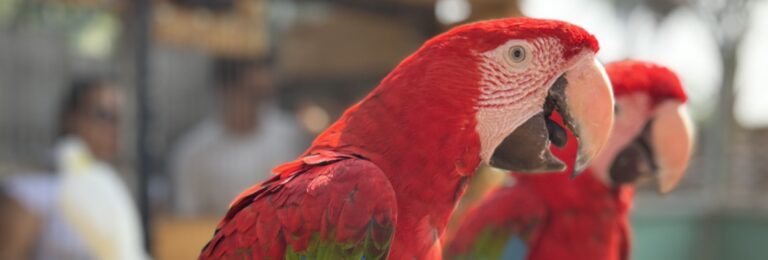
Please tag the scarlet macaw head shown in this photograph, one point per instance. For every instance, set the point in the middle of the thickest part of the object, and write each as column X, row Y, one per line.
column 653, row 133
column 523, row 69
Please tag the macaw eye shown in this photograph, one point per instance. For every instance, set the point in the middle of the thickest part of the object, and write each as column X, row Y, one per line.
column 517, row 54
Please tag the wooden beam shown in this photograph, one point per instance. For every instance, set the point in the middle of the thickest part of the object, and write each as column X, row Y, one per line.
column 241, row 33
column 346, row 42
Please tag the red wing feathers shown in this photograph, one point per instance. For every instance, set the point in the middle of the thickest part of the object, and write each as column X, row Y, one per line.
column 322, row 199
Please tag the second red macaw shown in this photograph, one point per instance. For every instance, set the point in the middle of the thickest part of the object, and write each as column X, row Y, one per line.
column 552, row 217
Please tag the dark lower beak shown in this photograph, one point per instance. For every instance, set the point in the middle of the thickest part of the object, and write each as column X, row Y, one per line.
column 635, row 161
column 582, row 96
column 527, row 149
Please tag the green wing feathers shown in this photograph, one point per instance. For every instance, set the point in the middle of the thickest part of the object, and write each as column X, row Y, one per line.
column 500, row 226
column 496, row 243
column 489, row 244
column 375, row 245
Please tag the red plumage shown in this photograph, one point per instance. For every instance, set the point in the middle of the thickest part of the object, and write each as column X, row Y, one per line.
column 560, row 218
column 638, row 76
column 330, row 195
column 495, row 33
column 405, row 151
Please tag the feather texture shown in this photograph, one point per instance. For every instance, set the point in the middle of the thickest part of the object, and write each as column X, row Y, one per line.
column 386, row 176
column 324, row 206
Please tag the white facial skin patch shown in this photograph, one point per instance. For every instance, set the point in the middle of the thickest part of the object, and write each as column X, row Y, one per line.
column 513, row 89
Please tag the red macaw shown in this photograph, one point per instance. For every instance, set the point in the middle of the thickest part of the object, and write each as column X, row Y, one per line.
column 383, row 180
column 551, row 216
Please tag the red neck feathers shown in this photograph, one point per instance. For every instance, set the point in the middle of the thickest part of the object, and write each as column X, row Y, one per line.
column 419, row 129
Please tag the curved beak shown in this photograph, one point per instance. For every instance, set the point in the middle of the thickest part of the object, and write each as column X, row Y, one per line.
column 583, row 96
column 589, row 113
column 672, row 136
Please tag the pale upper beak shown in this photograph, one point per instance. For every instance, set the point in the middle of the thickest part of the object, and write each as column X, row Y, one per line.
column 589, row 96
column 583, row 96
column 672, row 141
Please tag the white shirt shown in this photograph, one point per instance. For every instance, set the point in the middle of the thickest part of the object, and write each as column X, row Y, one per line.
column 86, row 210
column 97, row 204
column 211, row 167
column 57, row 239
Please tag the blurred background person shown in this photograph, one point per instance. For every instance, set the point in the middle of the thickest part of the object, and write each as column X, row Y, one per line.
column 83, row 210
column 237, row 146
